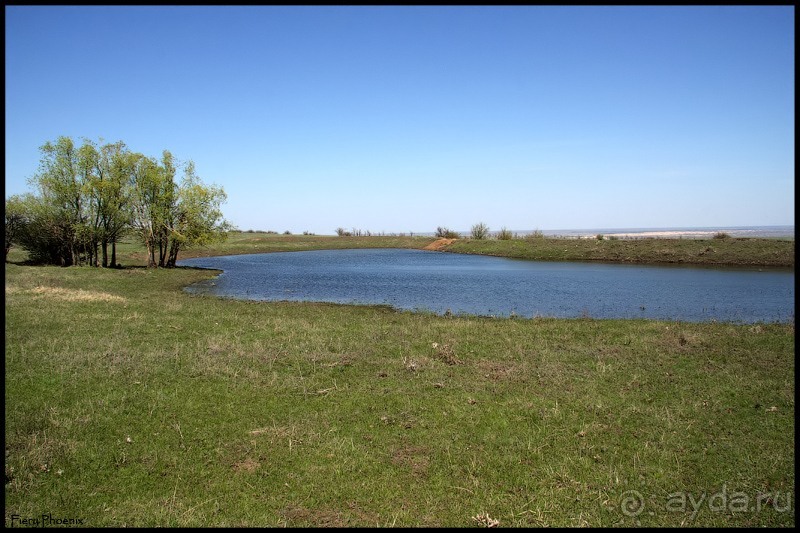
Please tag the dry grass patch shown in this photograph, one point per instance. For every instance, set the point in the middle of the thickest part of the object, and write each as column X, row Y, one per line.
column 446, row 353
column 287, row 437
column 501, row 371
column 414, row 458
column 73, row 295
column 249, row 465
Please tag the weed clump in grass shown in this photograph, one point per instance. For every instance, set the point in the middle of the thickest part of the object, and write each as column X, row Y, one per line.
column 446, row 353
column 534, row 235
column 505, row 234
column 721, row 235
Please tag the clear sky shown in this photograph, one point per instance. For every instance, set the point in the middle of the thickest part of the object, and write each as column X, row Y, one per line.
column 399, row 119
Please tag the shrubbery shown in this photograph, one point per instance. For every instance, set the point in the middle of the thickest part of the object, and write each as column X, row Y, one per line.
column 480, row 231
column 445, row 233
column 505, row 234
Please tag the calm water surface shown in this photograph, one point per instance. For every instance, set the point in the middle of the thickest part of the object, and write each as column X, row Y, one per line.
column 481, row 285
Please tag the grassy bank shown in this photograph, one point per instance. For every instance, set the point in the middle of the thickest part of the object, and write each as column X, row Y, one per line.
column 248, row 243
column 130, row 402
column 728, row 251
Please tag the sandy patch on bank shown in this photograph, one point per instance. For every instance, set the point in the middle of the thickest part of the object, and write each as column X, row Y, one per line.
column 439, row 244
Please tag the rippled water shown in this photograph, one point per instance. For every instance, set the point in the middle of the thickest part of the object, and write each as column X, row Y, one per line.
column 440, row 282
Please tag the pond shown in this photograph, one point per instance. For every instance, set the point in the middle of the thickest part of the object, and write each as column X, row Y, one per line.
column 441, row 282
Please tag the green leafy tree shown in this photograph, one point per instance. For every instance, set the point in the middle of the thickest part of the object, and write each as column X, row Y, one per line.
column 16, row 214
column 165, row 208
column 197, row 216
column 90, row 175
column 90, row 196
column 43, row 233
column 61, row 197
column 115, row 168
column 146, row 202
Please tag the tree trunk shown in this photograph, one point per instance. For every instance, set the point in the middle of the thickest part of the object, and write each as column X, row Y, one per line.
column 162, row 252
column 104, row 247
column 151, row 254
column 114, row 253
column 173, row 254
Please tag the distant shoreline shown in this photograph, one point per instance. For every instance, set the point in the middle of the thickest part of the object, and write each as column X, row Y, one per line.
column 785, row 232
column 707, row 232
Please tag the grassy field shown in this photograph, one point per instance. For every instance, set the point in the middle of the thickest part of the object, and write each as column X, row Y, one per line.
column 132, row 403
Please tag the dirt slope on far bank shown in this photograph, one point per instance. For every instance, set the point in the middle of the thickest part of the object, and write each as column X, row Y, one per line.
column 440, row 244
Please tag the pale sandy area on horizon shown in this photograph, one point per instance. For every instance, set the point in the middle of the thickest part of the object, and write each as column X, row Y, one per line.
column 668, row 234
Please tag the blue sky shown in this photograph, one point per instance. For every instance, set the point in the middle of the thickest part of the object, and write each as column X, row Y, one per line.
column 400, row 119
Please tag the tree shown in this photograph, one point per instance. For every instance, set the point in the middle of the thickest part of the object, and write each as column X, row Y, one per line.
column 145, row 200
column 43, row 233
column 170, row 218
column 197, row 217
column 83, row 192
column 89, row 196
column 61, row 197
column 117, row 167
column 16, row 218
column 166, row 210
column 90, row 175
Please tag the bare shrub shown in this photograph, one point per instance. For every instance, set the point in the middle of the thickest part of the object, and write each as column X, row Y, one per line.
column 446, row 233
column 505, row 234
column 480, row 231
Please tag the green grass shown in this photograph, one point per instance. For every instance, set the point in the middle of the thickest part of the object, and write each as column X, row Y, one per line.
column 729, row 251
column 132, row 403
